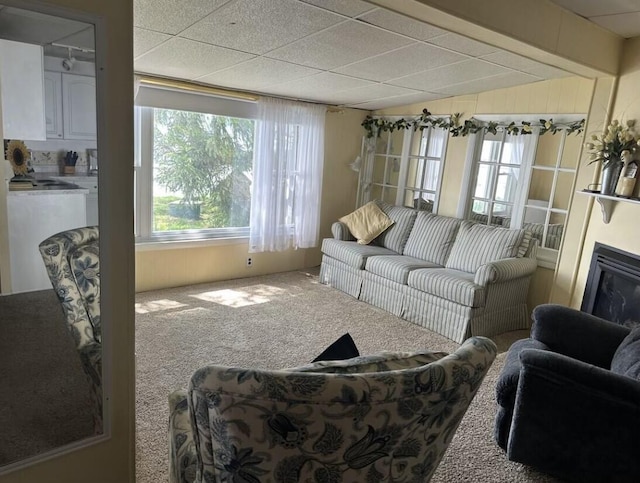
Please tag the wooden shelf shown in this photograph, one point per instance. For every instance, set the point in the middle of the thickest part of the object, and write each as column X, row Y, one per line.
column 607, row 202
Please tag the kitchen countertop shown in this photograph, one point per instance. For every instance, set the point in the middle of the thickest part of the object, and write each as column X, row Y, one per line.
column 42, row 184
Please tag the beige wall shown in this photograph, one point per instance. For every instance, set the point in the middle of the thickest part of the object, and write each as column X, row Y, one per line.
column 570, row 95
column 174, row 267
column 112, row 460
column 623, row 231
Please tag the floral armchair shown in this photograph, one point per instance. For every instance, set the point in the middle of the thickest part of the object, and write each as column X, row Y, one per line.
column 72, row 262
column 388, row 417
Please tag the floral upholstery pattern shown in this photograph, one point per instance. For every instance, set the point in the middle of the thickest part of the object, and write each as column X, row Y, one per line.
column 388, row 417
column 72, row 262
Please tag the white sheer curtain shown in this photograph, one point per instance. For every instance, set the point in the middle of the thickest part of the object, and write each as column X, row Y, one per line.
column 287, row 176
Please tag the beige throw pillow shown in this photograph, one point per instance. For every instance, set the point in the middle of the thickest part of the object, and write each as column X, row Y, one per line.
column 367, row 222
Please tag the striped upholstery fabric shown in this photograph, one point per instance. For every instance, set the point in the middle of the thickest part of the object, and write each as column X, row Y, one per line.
column 476, row 245
column 340, row 231
column 383, row 293
column 351, row 253
column 395, row 237
column 526, row 243
column 451, row 285
column 554, row 233
column 432, row 237
column 503, row 270
column 340, row 276
column 396, row 267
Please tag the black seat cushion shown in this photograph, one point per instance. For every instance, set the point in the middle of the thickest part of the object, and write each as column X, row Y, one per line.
column 626, row 360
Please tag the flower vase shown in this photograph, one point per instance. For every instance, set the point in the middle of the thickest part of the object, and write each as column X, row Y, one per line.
column 610, row 175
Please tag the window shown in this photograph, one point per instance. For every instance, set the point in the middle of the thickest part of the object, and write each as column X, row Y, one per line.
column 193, row 168
column 523, row 181
column 404, row 167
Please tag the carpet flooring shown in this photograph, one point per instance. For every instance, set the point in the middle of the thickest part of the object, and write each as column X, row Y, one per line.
column 44, row 394
column 285, row 320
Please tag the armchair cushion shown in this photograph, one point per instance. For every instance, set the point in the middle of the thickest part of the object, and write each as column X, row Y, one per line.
column 626, row 360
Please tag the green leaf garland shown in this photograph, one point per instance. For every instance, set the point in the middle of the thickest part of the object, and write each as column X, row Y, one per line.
column 376, row 125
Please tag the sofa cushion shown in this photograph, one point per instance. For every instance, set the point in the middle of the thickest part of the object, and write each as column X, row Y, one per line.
column 626, row 360
column 395, row 237
column 449, row 284
column 352, row 253
column 396, row 267
column 367, row 222
column 432, row 237
column 476, row 245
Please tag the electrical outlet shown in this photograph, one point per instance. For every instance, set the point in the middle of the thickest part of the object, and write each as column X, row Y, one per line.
column 249, row 262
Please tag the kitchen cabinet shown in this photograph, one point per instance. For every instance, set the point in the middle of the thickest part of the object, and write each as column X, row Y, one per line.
column 70, row 106
column 32, row 217
column 53, row 104
column 22, row 90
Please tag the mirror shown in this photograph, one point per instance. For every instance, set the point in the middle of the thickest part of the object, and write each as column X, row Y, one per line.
column 50, row 370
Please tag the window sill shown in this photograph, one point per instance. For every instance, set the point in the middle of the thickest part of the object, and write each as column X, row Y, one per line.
column 152, row 245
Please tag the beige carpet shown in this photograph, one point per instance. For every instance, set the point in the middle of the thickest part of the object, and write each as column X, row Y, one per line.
column 285, row 320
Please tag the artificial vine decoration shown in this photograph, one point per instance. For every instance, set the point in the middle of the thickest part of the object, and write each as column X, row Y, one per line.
column 375, row 126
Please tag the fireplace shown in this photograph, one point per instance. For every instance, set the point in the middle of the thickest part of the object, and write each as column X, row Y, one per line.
column 613, row 286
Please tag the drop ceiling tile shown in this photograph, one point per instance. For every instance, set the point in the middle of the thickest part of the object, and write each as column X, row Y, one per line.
column 258, row 26
column 145, row 40
column 591, row 8
column 547, row 72
column 513, row 61
column 326, row 50
column 370, row 93
column 350, row 8
column 187, row 59
column 464, row 45
column 626, row 25
column 34, row 27
column 402, row 25
column 397, row 101
column 407, row 60
column 171, row 16
column 85, row 39
column 488, row 84
column 430, row 80
column 316, row 86
column 258, row 73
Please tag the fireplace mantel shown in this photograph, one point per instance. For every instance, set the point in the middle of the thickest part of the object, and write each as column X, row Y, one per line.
column 608, row 202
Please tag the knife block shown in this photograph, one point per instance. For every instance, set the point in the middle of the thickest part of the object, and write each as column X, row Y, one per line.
column 69, row 170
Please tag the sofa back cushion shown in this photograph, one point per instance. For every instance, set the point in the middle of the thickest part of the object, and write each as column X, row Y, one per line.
column 395, row 237
column 432, row 237
column 626, row 360
column 476, row 245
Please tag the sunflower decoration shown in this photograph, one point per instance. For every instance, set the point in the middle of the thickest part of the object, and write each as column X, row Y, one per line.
column 17, row 154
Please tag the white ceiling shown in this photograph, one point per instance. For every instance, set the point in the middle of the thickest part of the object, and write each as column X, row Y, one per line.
column 341, row 52
column 620, row 16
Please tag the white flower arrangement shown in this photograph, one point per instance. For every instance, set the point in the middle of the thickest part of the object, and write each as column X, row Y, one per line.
column 614, row 140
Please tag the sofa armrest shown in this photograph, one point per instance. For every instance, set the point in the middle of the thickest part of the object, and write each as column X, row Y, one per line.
column 340, row 231
column 577, row 334
column 504, row 270
column 182, row 451
column 563, row 418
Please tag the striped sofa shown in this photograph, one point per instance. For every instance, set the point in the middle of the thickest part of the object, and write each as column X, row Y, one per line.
column 454, row 277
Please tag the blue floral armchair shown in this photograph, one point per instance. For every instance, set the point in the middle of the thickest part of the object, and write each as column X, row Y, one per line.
column 72, row 262
column 388, row 417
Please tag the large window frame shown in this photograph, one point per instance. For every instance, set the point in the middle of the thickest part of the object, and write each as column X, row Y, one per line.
column 404, row 167
column 522, row 205
column 147, row 100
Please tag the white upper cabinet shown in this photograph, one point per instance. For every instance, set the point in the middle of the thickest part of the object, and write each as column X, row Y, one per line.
column 79, row 106
column 53, row 104
column 22, row 89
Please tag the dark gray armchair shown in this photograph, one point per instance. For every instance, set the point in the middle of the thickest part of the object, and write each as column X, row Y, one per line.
column 569, row 398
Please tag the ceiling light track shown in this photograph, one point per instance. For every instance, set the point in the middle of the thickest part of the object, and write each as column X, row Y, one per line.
column 72, row 47
column 197, row 88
